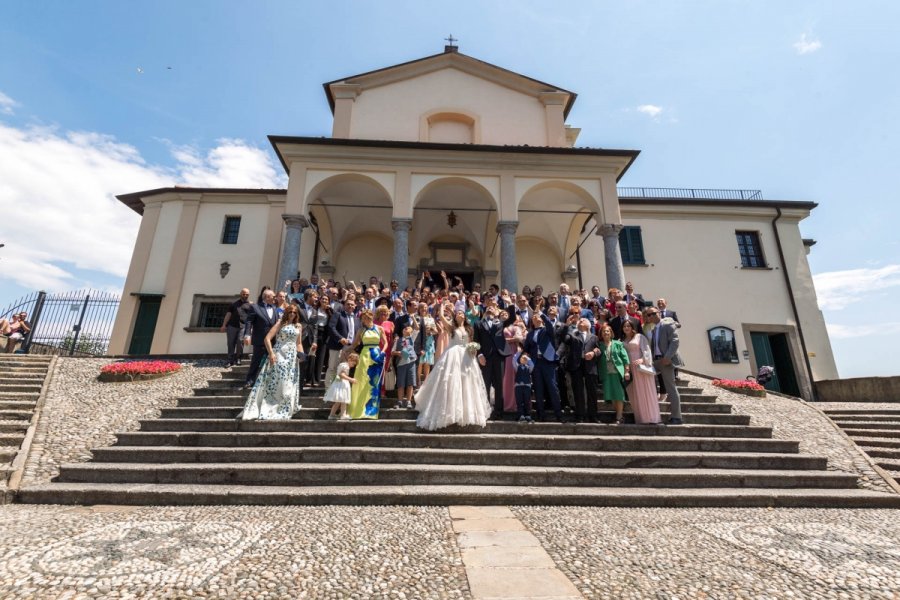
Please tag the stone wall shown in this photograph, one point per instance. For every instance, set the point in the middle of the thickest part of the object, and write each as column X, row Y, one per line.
column 861, row 389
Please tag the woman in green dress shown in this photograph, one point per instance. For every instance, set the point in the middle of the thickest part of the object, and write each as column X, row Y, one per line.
column 365, row 395
column 615, row 370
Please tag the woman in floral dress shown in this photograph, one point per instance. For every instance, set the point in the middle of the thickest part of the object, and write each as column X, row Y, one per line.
column 276, row 393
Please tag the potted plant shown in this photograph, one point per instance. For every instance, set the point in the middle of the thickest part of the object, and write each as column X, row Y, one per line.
column 741, row 386
column 138, row 370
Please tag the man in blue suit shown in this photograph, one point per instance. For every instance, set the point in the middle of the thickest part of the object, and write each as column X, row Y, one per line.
column 540, row 345
column 260, row 319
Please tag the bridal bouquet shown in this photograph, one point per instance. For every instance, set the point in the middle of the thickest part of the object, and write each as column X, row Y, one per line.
column 473, row 348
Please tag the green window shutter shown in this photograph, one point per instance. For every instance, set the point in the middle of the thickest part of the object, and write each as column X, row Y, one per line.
column 631, row 245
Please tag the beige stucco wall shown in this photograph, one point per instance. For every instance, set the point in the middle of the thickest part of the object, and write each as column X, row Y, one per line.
column 504, row 116
column 364, row 256
column 202, row 272
column 537, row 262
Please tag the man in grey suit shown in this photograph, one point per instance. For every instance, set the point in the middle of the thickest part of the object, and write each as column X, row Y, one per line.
column 664, row 345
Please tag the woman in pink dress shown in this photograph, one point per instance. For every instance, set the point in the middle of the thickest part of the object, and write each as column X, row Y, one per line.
column 642, row 391
column 515, row 338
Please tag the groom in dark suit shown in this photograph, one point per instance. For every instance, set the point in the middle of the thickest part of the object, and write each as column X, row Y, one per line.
column 260, row 319
column 493, row 353
column 579, row 350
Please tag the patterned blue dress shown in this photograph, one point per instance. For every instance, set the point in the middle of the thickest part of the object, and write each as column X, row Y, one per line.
column 276, row 393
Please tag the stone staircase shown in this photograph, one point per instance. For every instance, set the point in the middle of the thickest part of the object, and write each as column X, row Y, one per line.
column 198, row 453
column 21, row 380
column 876, row 431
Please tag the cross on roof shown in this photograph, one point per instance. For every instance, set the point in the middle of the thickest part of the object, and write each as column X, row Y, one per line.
column 450, row 40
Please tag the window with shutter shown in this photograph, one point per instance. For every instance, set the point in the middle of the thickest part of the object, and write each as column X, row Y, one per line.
column 631, row 245
column 230, row 230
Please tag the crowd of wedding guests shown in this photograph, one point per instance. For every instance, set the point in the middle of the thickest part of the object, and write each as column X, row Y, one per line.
column 543, row 355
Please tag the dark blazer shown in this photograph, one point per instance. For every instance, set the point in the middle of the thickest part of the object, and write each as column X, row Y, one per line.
column 258, row 323
column 671, row 314
column 573, row 350
column 339, row 327
column 491, row 339
column 546, row 338
column 618, row 322
column 308, row 337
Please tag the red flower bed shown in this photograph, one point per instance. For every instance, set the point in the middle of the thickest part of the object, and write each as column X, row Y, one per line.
column 138, row 369
column 743, row 386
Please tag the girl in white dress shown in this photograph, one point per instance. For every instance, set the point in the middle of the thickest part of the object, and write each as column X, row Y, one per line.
column 339, row 391
column 454, row 392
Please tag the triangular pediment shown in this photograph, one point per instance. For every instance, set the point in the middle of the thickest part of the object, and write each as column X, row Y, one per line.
column 447, row 60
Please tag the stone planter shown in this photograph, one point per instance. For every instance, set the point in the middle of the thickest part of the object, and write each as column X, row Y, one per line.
column 745, row 392
column 124, row 377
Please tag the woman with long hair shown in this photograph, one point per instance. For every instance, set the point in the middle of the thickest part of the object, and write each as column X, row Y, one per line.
column 276, row 393
column 454, row 393
column 642, row 391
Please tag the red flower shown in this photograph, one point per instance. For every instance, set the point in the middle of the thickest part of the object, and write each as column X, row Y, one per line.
column 738, row 384
column 141, row 367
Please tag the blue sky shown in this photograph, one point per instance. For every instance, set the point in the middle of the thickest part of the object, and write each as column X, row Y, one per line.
column 798, row 99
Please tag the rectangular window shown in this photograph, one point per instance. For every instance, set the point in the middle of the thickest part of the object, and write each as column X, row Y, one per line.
column 230, row 230
column 211, row 314
column 631, row 245
column 750, row 249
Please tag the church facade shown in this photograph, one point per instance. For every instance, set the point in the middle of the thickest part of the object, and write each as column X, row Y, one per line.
column 451, row 163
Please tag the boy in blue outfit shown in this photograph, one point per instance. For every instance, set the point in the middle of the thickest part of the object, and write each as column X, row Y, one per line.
column 524, row 367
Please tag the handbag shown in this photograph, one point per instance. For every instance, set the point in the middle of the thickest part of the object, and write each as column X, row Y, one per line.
column 390, row 380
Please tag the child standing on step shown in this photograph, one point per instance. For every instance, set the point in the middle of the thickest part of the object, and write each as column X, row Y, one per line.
column 524, row 367
column 339, row 391
column 405, row 351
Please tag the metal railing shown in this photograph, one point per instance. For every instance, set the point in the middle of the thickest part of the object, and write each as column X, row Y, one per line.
column 70, row 323
column 689, row 193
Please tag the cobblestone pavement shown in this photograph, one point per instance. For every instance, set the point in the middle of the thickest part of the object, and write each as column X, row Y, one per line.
column 792, row 419
column 81, row 413
column 229, row 552
column 722, row 553
column 405, row 552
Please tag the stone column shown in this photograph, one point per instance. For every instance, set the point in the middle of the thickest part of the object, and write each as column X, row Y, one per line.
column 615, row 271
column 507, row 231
column 290, row 249
column 401, row 229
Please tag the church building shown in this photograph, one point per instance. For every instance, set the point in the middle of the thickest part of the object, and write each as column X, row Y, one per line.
column 451, row 163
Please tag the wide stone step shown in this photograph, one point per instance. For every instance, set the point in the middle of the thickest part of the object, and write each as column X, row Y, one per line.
column 505, row 441
column 17, row 405
column 20, row 387
column 23, row 415
column 443, row 456
column 19, row 396
column 876, row 452
column 397, row 413
column 388, row 474
column 863, row 418
column 30, row 378
column 405, row 495
column 866, row 441
column 401, row 425
column 24, row 359
column 889, row 465
column 11, row 439
column 13, row 426
column 7, row 453
column 880, row 425
column 862, row 411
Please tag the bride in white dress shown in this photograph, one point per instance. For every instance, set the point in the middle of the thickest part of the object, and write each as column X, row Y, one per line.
column 454, row 392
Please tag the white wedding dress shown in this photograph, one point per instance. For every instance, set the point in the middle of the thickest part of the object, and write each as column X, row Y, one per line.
column 453, row 393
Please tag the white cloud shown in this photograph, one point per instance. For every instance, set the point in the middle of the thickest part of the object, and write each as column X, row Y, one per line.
column 837, row 290
column 651, row 110
column 57, row 198
column 841, row 332
column 806, row 45
column 7, row 104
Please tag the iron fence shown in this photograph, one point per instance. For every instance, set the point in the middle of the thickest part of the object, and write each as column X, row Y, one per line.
column 689, row 193
column 70, row 323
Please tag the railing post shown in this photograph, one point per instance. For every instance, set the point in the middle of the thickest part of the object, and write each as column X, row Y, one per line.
column 77, row 327
column 38, row 309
